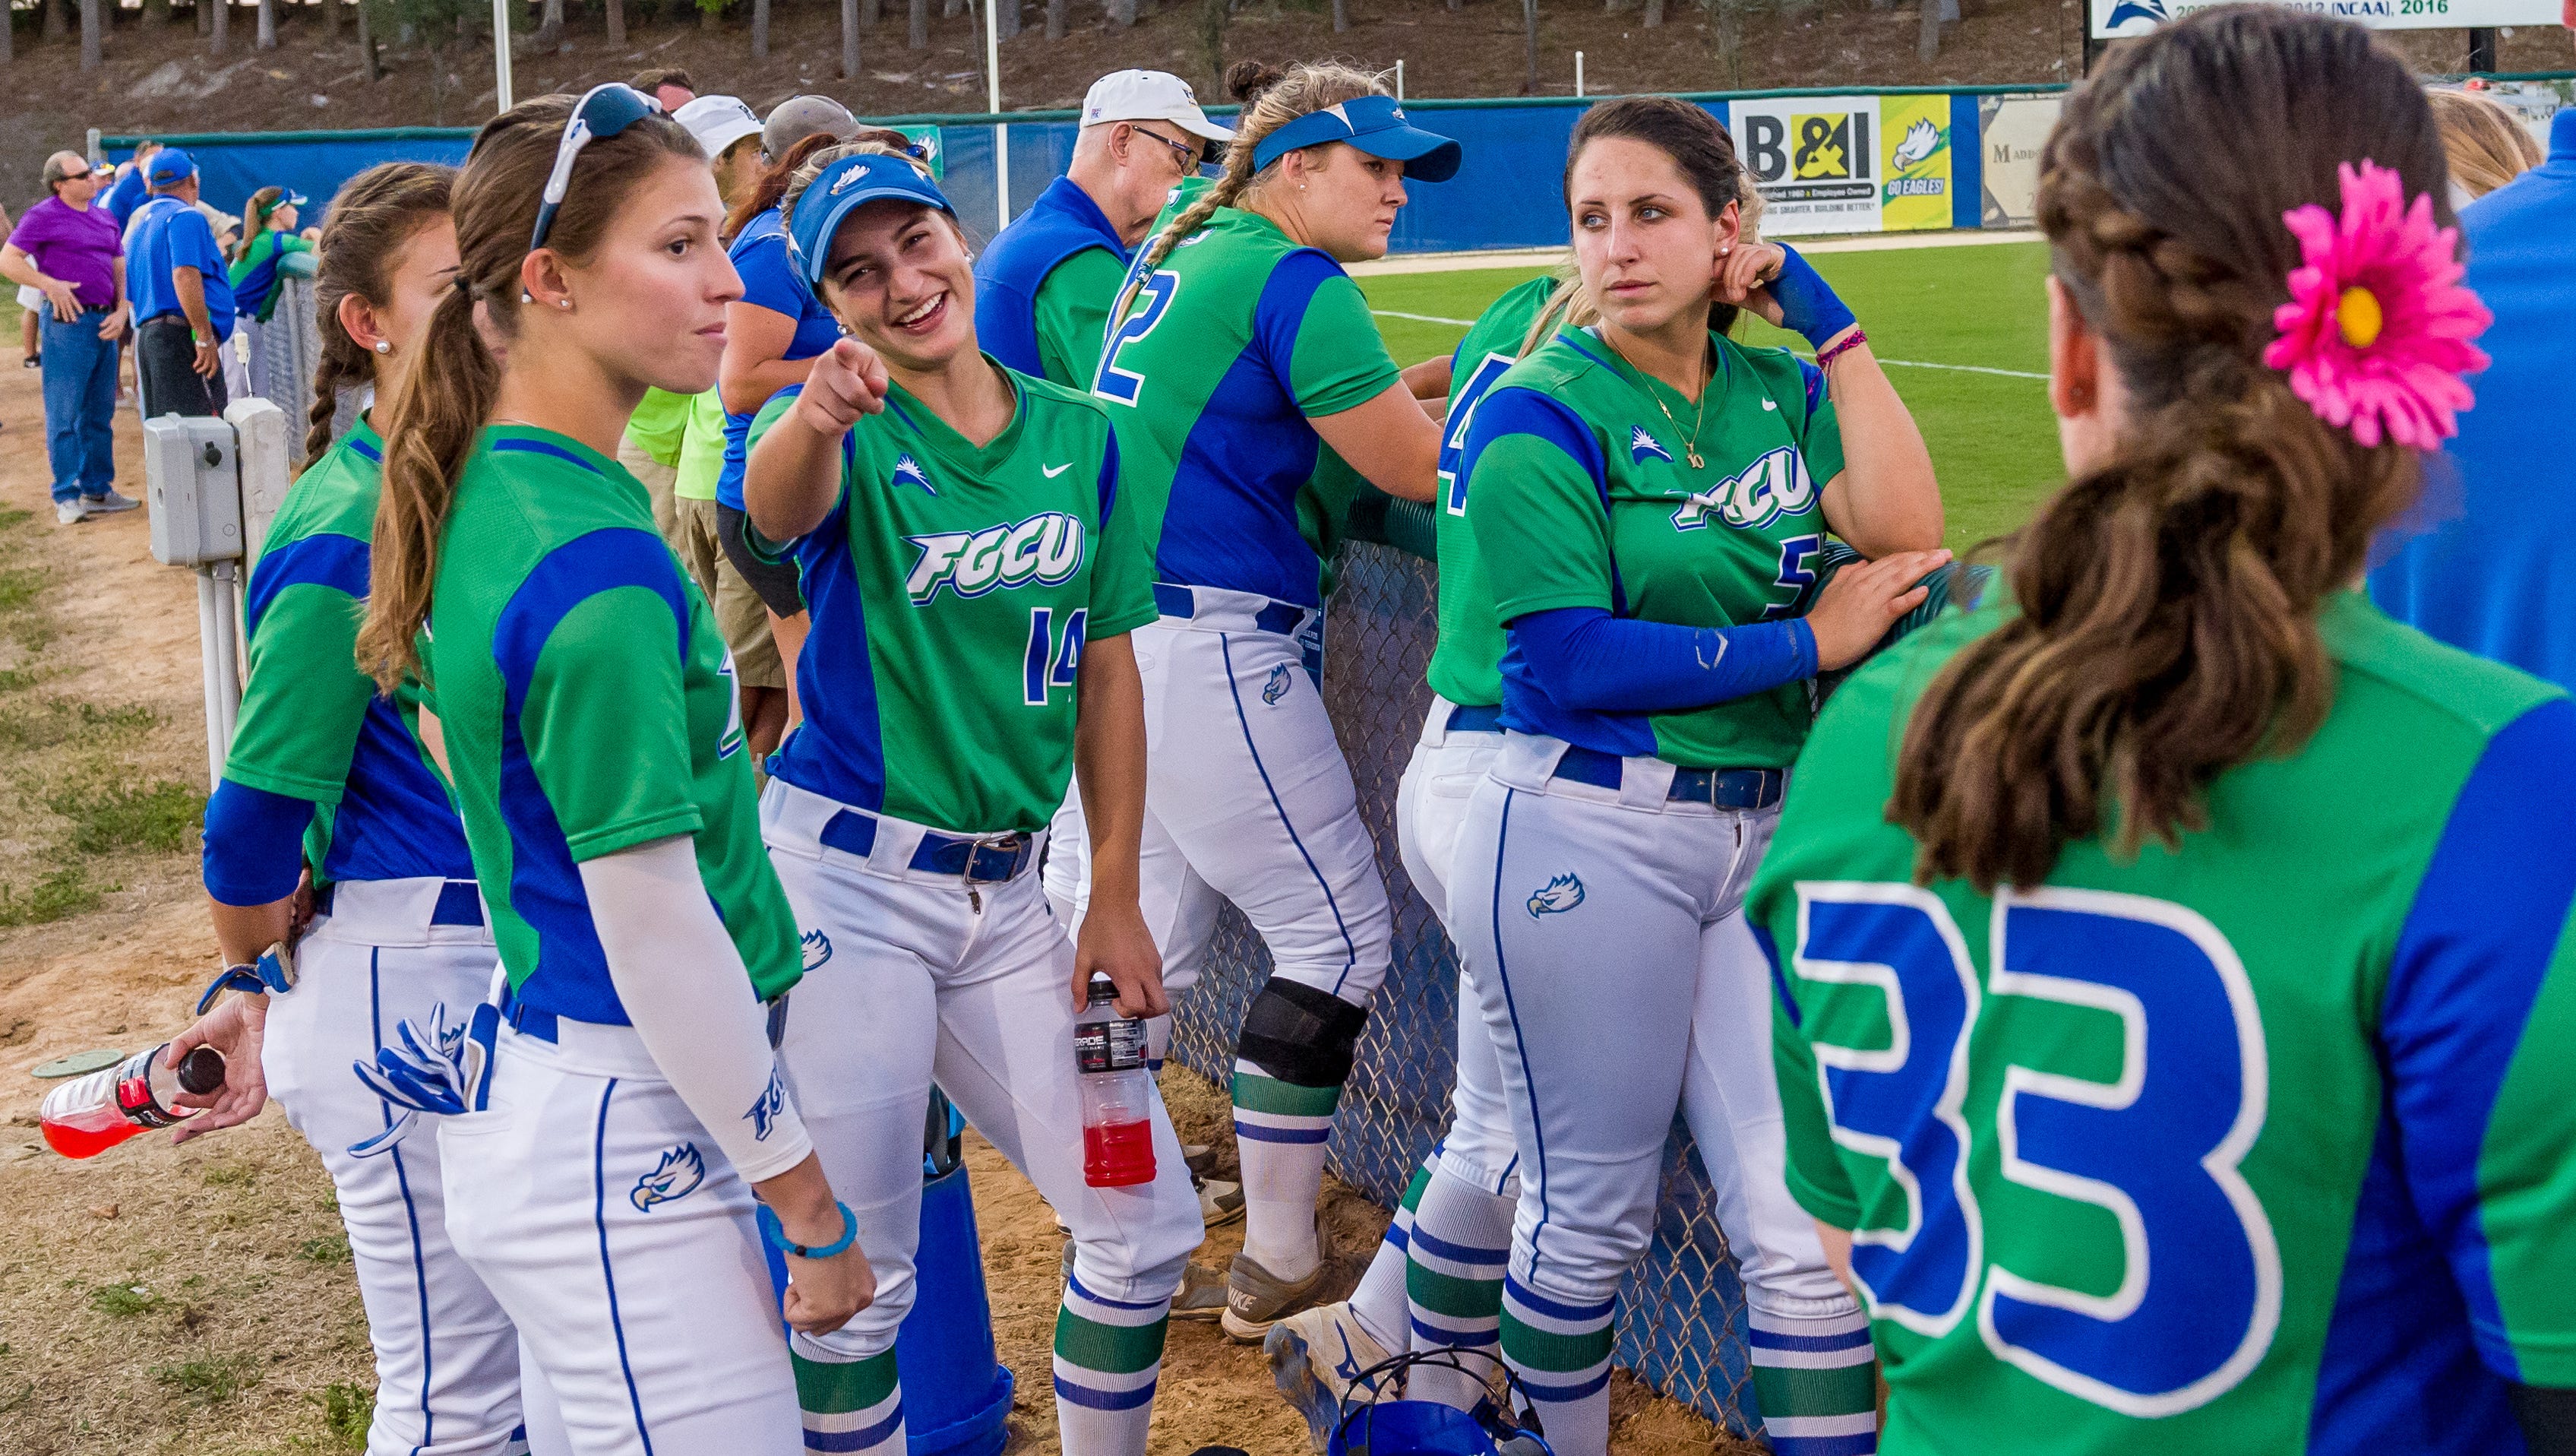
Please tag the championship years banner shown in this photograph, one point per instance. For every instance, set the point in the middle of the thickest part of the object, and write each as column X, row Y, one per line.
column 1847, row 164
column 2116, row 18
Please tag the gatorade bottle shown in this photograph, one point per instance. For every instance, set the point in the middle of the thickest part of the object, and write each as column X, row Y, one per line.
column 85, row 1117
column 1117, row 1092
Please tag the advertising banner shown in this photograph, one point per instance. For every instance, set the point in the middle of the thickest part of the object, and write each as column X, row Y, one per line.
column 1914, row 161
column 2012, row 129
column 2113, row 18
column 1816, row 159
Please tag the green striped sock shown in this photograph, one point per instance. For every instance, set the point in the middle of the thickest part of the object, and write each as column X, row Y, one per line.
column 1108, row 1356
column 854, row 1405
column 1280, row 1129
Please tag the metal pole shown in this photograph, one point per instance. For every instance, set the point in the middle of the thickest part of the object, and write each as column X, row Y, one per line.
column 94, row 154
column 993, row 103
column 1399, row 78
column 1578, row 73
column 501, row 55
column 2482, row 49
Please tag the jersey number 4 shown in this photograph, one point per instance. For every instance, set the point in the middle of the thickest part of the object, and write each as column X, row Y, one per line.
column 1051, row 662
column 2157, row 1147
column 1462, row 412
column 1153, row 300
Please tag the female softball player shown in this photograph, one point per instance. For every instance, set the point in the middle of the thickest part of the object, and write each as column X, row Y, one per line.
column 2221, row 923
column 268, row 236
column 1646, row 496
column 1239, row 351
column 324, row 774
column 611, row 1112
column 974, row 573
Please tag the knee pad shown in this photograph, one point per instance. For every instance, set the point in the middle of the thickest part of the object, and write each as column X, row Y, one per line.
column 1301, row 1036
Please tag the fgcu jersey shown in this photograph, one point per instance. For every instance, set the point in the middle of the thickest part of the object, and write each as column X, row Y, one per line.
column 952, row 589
column 588, row 706
column 312, row 725
column 1227, row 347
column 1466, row 666
column 2261, row 1145
column 1581, row 494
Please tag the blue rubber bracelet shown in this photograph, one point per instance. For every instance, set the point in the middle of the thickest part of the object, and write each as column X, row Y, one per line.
column 776, row 1233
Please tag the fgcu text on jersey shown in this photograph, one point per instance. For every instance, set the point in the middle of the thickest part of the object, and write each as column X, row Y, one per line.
column 1046, row 549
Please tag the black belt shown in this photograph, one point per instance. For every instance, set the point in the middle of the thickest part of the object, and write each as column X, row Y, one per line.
column 978, row 861
column 1723, row 788
column 458, row 903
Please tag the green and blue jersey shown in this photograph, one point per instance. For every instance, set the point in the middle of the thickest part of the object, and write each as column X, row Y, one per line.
column 312, row 727
column 953, row 587
column 1467, row 664
column 588, row 705
column 1582, row 494
column 1044, row 289
column 2259, row 1143
column 1211, row 374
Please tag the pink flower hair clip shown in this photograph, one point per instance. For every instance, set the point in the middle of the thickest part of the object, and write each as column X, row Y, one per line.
column 2377, row 331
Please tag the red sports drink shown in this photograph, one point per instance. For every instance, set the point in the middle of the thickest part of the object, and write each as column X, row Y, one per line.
column 1117, row 1092
column 85, row 1117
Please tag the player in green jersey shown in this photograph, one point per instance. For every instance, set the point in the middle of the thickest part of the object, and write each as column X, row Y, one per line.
column 610, row 1114
column 1647, row 496
column 2175, row 973
column 325, row 778
column 971, row 562
column 1240, row 351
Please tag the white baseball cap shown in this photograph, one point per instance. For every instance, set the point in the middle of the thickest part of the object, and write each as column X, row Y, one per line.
column 717, row 122
column 1149, row 96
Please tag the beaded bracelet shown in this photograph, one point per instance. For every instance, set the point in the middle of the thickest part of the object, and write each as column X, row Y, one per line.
column 776, row 1233
column 1850, row 341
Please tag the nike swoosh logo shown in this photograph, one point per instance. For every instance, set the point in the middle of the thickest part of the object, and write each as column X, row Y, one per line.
column 1052, row 471
column 1769, row 405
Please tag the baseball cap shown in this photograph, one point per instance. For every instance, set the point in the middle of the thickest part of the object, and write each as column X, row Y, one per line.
column 1372, row 124
column 717, row 122
column 844, row 187
column 169, row 165
column 798, row 117
column 1149, row 96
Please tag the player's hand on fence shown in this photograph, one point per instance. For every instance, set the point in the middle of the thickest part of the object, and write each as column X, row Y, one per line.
column 848, row 381
column 1114, row 940
column 1861, row 602
column 1742, row 275
column 237, row 1029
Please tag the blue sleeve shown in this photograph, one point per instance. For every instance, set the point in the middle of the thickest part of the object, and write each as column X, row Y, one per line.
column 1585, row 658
column 2470, row 1031
column 193, row 245
column 254, row 844
column 1006, row 325
column 769, row 279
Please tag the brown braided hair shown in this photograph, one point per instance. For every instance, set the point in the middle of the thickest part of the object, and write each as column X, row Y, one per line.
column 373, row 218
column 2168, row 598
column 448, row 392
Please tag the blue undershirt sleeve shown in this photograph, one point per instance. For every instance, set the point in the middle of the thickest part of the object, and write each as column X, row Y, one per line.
column 1585, row 658
column 254, row 844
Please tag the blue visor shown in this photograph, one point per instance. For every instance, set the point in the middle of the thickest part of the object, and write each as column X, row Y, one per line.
column 841, row 188
column 1373, row 124
column 603, row 111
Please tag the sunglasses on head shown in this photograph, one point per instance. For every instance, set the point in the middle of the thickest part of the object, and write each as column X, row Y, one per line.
column 602, row 112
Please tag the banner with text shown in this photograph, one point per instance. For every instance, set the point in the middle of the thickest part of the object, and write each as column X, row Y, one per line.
column 2011, row 130
column 1914, row 135
column 2113, row 18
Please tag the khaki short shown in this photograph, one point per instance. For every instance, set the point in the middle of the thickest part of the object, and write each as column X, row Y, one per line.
column 739, row 614
column 658, row 479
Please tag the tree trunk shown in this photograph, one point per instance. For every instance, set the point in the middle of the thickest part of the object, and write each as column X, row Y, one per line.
column 57, row 22
column 918, row 37
column 8, row 35
column 1008, row 18
column 759, row 29
column 1654, row 13
column 156, row 13
column 849, row 40
column 1212, row 18
column 1341, row 16
column 617, row 22
column 710, row 13
column 331, row 20
column 367, row 45
column 1122, row 13
column 267, row 35
column 951, row 9
column 93, row 50
column 221, row 35
column 1055, row 19
column 550, row 28
column 1928, row 44
column 1529, row 29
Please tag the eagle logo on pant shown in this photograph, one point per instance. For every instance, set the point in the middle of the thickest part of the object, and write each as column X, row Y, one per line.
column 1277, row 688
column 678, row 1175
column 1558, row 896
column 818, row 949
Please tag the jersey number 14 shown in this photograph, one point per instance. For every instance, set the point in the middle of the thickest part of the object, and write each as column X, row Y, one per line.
column 1052, row 662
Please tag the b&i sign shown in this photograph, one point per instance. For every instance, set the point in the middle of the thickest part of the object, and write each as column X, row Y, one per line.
column 1847, row 164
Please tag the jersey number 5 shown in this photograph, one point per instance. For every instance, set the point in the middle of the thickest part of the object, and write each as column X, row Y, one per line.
column 1051, row 663
column 2198, row 1296
column 1153, row 300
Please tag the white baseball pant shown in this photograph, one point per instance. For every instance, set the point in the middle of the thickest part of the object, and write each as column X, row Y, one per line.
column 447, row 1358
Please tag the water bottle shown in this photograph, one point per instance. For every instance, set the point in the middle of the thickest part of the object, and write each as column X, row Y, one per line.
column 88, row 1115
column 1117, row 1092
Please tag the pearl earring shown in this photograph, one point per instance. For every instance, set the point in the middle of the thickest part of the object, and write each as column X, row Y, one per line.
column 384, row 346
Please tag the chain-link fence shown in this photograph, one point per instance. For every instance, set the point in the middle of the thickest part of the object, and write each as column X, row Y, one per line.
column 1681, row 1315
column 283, row 352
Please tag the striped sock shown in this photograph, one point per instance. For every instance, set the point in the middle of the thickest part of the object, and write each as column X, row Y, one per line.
column 854, row 1405
column 1816, row 1382
column 1561, row 1352
column 1108, row 1354
column 1461, row 1241
column 1279, row 1133
column 1379, row 1302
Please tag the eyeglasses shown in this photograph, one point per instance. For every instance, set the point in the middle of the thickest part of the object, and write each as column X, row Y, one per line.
column 1189, row 155
column 602, row 112
column 82, row 175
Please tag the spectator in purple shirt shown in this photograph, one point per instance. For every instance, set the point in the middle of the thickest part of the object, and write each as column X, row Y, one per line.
column 70, row 251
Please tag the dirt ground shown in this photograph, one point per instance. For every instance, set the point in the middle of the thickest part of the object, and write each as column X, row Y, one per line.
column 198, row 1300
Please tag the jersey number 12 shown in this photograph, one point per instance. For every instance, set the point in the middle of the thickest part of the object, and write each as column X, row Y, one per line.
column 1153, row 300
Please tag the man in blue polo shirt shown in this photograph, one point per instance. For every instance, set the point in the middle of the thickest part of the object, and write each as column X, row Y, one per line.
column 2496, row 571
column 1044, row 288
column 182, row 292
column 132, row 187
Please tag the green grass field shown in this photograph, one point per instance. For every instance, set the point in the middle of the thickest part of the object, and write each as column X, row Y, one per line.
column 1969, row 309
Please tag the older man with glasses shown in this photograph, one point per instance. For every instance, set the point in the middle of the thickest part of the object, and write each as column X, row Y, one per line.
column 69, row 250
column 1044, row 288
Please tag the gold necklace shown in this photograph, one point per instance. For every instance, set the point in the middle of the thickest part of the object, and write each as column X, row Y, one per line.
column 1699, row 418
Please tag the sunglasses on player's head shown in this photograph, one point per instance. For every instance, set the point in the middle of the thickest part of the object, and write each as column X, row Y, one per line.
column 602, row 112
